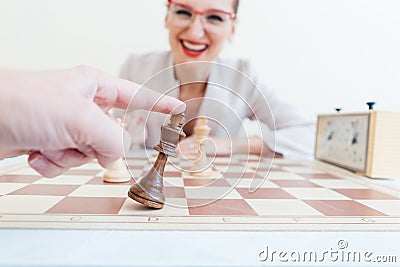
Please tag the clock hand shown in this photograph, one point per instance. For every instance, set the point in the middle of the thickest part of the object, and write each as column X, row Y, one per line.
column 355, row 139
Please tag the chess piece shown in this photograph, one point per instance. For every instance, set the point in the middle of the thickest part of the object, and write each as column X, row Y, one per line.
column 201, row 166
column 118, row 173
column 371, row 105
column 149, row 189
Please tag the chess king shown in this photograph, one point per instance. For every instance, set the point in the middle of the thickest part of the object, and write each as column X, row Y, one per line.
column 149, row 189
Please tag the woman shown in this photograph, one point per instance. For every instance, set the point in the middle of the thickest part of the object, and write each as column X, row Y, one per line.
column 224, row 91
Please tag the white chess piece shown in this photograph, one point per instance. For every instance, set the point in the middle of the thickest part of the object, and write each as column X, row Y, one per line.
column 118, row 173
column 201, row 166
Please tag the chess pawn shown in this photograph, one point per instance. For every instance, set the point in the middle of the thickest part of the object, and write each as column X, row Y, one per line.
column 149, row 190
column 118, row 173
column 201, row 166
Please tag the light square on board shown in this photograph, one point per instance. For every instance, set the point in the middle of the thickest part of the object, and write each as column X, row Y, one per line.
column 283, row 176
column 136, row 172
column 206, row 182
column 84, row 172
column 233, row 168
column 24, row 171
column 226, row 160
column 264, row 165
column 212, row 175
column 173, row 181
column 212, row 192
column 389, row 207
column 251, row 183
column 94, row 165
column 136, row 163
column 100, row 191
column 315, row 193
column 304, row 169
column 6, row 188
column 241, row 175
column 322, row 175
column 172, row 207
column 25, row 204
column 338, row 183
column 295, row 183
column 365, row 194
column 282, row 207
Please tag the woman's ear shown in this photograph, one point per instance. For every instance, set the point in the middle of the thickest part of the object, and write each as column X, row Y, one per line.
column 165, row 21
column 234, row 25
column 233, row 30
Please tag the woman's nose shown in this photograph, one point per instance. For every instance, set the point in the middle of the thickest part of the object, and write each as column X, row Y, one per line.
column 196, row 28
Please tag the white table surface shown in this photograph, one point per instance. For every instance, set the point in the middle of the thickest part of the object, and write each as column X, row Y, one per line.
column 187, row 248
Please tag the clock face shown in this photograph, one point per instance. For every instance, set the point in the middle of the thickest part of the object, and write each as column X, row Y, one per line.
column 343, row 140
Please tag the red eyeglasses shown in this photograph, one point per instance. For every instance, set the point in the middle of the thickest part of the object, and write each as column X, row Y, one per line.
column 213, row 19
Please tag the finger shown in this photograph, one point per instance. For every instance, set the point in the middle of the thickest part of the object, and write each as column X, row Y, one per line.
column 68, row 158
column 44, row 166
column 133, row 96
column 11, row 153
column 186, row 151
column 189, row 144
column 100, row 132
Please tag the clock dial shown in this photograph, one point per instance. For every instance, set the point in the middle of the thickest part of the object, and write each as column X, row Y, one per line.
column 343, row 140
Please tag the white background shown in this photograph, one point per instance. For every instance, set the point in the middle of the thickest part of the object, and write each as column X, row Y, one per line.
column 319, row 53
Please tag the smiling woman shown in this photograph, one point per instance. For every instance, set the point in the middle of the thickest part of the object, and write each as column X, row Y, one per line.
column 199, row 34
column 225, row 91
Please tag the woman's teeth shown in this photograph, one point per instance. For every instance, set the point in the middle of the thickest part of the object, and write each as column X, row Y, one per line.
column 194, row 47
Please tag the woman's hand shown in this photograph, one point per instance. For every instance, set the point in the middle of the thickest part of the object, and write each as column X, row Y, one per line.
column 219, row 146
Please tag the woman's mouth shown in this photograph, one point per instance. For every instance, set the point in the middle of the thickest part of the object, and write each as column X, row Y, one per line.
column 193, row 49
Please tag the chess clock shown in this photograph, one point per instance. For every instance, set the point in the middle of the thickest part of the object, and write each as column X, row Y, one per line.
column 367, row 142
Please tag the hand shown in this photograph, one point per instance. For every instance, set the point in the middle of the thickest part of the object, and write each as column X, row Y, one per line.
column 219, row 146
column 188, row 148
column 213, row 146
column 59, row 117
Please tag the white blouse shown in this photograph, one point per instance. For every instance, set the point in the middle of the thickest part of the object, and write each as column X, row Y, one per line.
column 233, row 93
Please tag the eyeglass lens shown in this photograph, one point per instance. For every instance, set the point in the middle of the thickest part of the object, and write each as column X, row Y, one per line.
column 184, row 15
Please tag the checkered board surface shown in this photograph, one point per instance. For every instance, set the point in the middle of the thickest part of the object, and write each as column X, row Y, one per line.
column 243, row 193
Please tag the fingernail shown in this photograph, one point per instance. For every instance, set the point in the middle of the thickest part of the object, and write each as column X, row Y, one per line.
column 179, row 109
column 38, row 163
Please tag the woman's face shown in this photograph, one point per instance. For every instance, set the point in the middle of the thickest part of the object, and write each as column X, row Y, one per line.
column 199, row 29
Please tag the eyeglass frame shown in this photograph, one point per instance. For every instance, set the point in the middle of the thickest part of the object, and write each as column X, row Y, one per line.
column 232, row 15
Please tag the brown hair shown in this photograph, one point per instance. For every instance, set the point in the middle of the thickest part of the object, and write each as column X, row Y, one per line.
column 235, row 6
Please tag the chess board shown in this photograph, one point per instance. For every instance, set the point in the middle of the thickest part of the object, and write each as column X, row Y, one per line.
column 242, row 193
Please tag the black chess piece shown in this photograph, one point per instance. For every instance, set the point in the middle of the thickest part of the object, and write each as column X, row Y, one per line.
column 149, row 189
column 371, row 105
